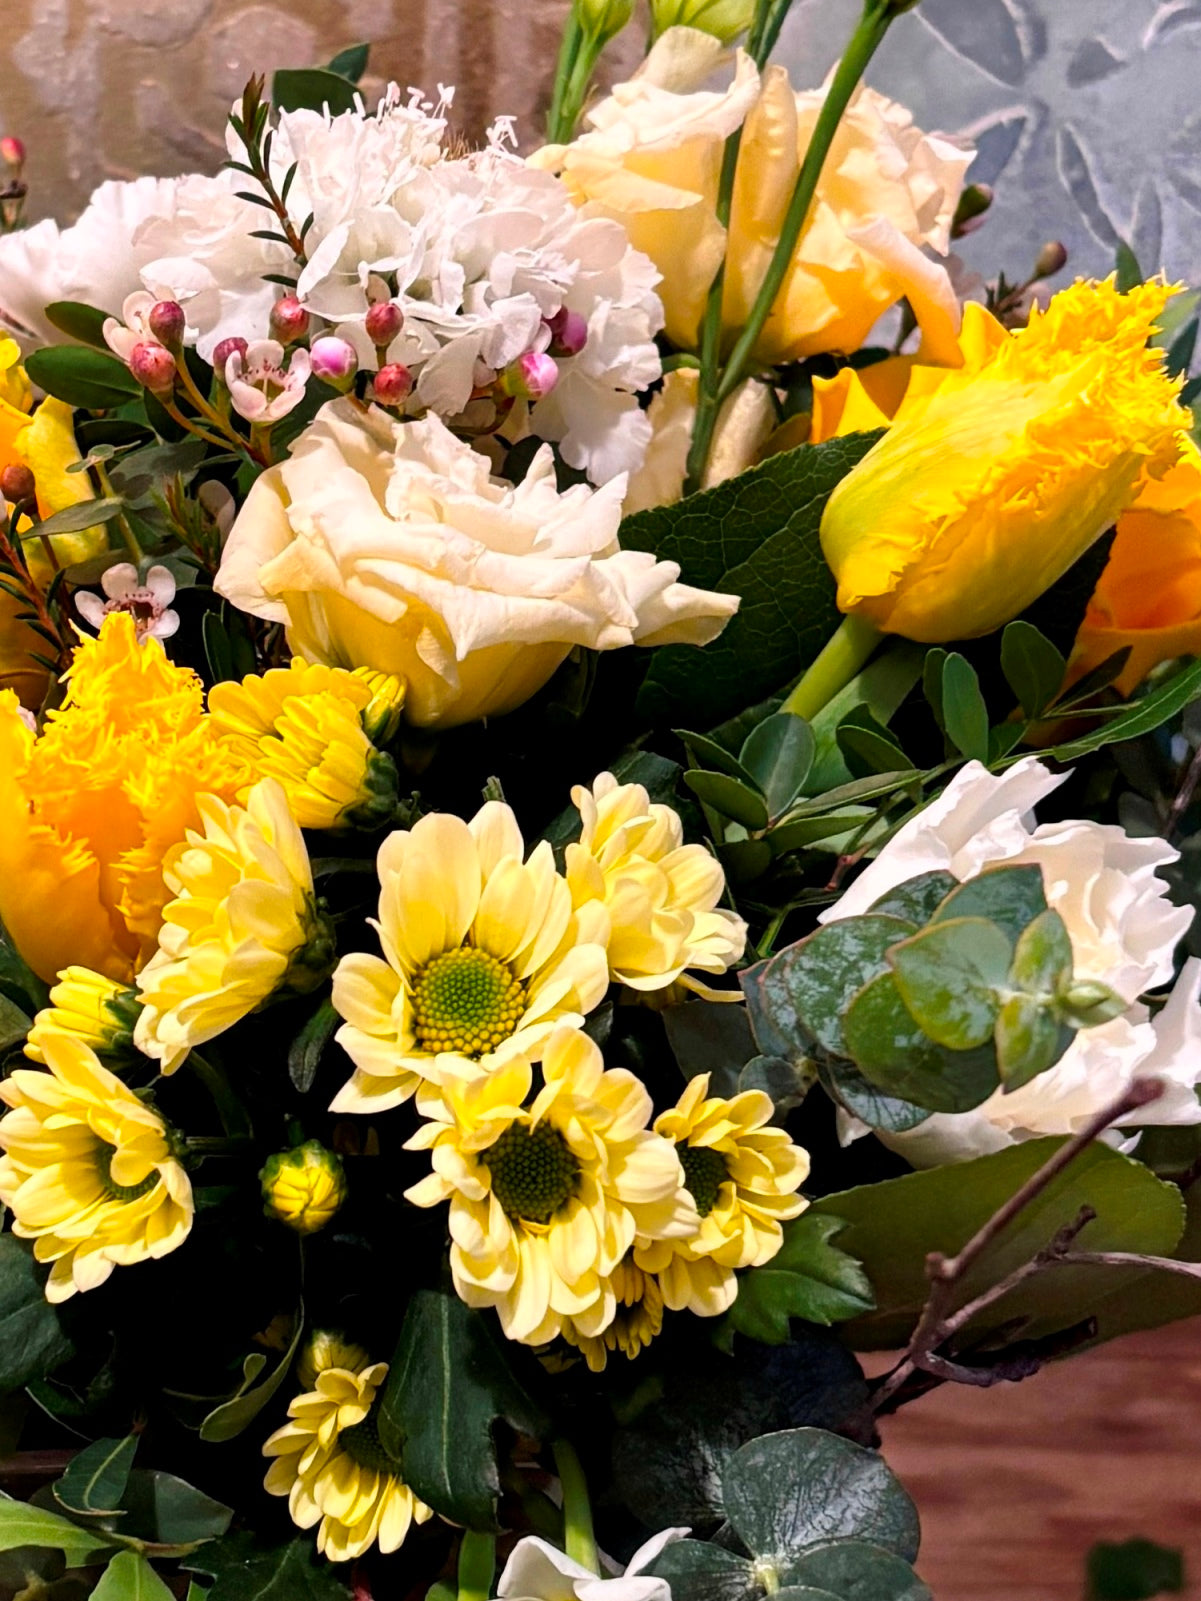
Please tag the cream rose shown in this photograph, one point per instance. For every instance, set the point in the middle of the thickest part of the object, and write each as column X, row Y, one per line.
column 1124, row 932
column 388, row 545
column 651, row 157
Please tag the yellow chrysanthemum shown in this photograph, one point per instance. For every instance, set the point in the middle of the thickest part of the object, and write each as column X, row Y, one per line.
column 327, row 1348
column 484, row 955
column 243, row 925
column 743, row 1176
column 659, row 895
column 306, row 725
column 89, row 807
column 638, row 1319
column 95, row 1009
column 545, row 1201
column 303, row 1187
column 991, row 482
column 330, row 1464
column 88, row 1170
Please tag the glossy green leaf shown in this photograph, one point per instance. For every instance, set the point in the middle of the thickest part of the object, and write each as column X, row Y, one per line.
column 846, row 1085
column 312, row 89
column 855, row 1570
column 706, row 753
column 825, row 969
column 1011, row 897
column 95, row 1480
column 228, row 1420
column 809, row 1277
column 704, row 1572
column 32, row 1339
column 168, row 1511
column 129, row 1577
column 728, row 797
column 867, row 746
column 77, row 321
column 778, row 754
column 949, row 975
column 87, row 514
column 963, row 710
column 893, row 1052
column 352, row 62
column 94, row 380
column 22, row 1524
column 1029, row 1039
column 892, row 1225
column 1042, row 957
column 1032, row 665
column 246, row 1569
column 786, row 1083
column 807, row 831
column 917, row 899
column 858, row 790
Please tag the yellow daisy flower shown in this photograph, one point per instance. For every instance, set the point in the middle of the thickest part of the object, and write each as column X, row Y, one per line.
column 545, row 1201
column 660, row 896
column 483, row 956
column 307, row 726
column 244, row 924
column 88, row 1169
column 330, row 1464
column 89, row 1006
column 638, row 1319
column 743, row 1176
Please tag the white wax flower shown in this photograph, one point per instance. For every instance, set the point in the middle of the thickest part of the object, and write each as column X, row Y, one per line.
column 261, row 388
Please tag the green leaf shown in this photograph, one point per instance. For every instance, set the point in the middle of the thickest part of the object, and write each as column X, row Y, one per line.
column 845, row 1084
column 226, row 1421
column 917, row 899
column 854, row 1570
column 1042, row 957
column 77, row 321
column 879, row 689
column 32, row 1340
column 964, row 712
column 93, row 380
column 806, row 831
column 1134, row 1571
column 228, row 646
column 129, row 1577
column 22, row 1524
column 892, row 1225
column 168, row 1511
column 948, row 976
column 1032, row 665
column 704, row 1572
column 14, row 1023
column 95, row 1480
column 778, row 754
column 936, row 660
column 807, row 1278
column 450, row 1383
column 868, row 747
column 246, row 1569
column 707, row 753
column 1147, row 714
column 755, row 536
column 87, row 514
column 1029, row 1039
column 745, row 860
column 1129, row 273
column 728, row 797
column 894, row 1053
column 309, row 1046
column 1087, row 688
column 312, row 89
column 1011, row 897
column 859, row 789
column 1181, row 350
column 352, row 62
column 710, row 1037
column 819, row 975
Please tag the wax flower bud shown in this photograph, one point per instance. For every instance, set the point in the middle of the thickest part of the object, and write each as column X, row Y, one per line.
column 289, row 320
column 1052, row 258
column 530, row 377
column 168, row 324
column 383, row 323
column 153, row 366
column 303, row 1187
column 334, row 362
column 568, row 332
column 393, row 384
column 17, row 484
column 236, row 346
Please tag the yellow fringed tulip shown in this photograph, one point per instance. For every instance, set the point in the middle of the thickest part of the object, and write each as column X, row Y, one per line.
column 995, row 478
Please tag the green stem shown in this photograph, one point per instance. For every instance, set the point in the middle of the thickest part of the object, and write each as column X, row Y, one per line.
column 578, row 1538
column 763, row 36
column 710, row 380
column 557, row 130
column 123, row 523
column 233, row 1115
column 844, row 653
column 477, row 1565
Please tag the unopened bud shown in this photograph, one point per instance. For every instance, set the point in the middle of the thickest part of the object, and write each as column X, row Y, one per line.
column 568, row 332
column 303, row 1187
column 603, row 20
column 154, row 367
column 723, row 19
column 530, row 377
column 974, row 204
column 1052, row 258
column 289, row 320
column 1086, row 1003
column 383, row 322
column 12, row 202
column 12, row 153
column 381, row 715
column 393, row 384
column 236, row 346
column 168, row 324
column 17, row 484
column 334, row 361
column 95, row 1009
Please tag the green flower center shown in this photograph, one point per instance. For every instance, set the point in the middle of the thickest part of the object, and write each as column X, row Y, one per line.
column 362, row 1444
column 120, row 1192
column 466, row 1001
column 533, row 1172
column 705, row 1172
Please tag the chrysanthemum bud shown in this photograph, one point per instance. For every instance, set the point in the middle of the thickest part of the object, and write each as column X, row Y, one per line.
column 154, row 367
column 393, row 384
column 90, row 1007
column 334, row 361
column 289, row 320
column 381, row 715
column 168, row 324
column 227, row 348
column 1052, row 258
column 303, row 1187
column 530, row 377
column 17, row 484
column 12, row 153
column 383, row 323
column 568, row 332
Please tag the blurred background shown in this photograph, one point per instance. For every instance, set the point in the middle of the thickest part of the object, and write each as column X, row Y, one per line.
column 1087, row 117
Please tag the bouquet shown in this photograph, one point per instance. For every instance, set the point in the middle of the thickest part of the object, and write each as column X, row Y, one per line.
column 528, row 679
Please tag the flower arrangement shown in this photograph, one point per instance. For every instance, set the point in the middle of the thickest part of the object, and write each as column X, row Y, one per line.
column 525, row 685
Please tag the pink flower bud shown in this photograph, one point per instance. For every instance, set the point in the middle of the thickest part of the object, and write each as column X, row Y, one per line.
column 384, row 322
column 393, row 384
column 530, row 377
column 227, row 348
column 12, row 152
column 334, row 362
column 289, row 320
column 568, row 332
column 17, row 484
column 1052, row 258
column 168, row 324
column 154, row 367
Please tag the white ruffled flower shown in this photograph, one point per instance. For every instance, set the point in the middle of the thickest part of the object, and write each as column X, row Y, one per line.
column 539, row 1571
column 261, row 388
column 387, row 544
column 147, row 601
column 1124, row 933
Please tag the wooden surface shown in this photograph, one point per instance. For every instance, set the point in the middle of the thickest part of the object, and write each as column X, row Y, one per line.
column 1014, row 1484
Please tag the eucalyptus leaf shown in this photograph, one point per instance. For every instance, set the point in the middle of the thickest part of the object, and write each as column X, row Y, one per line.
column 846, row 1085
column 855, row 1570
column 950, row 974
column 1042, row 957
column 822, row 972
column 1029, row 1039
column 704, row 1572
column 895, row 1054
column 917, row 899
column 1011, row 897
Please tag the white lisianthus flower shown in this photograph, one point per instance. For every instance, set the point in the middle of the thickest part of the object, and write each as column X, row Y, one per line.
column 539, row 1571
column 387, row 544
column 1124, row 932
